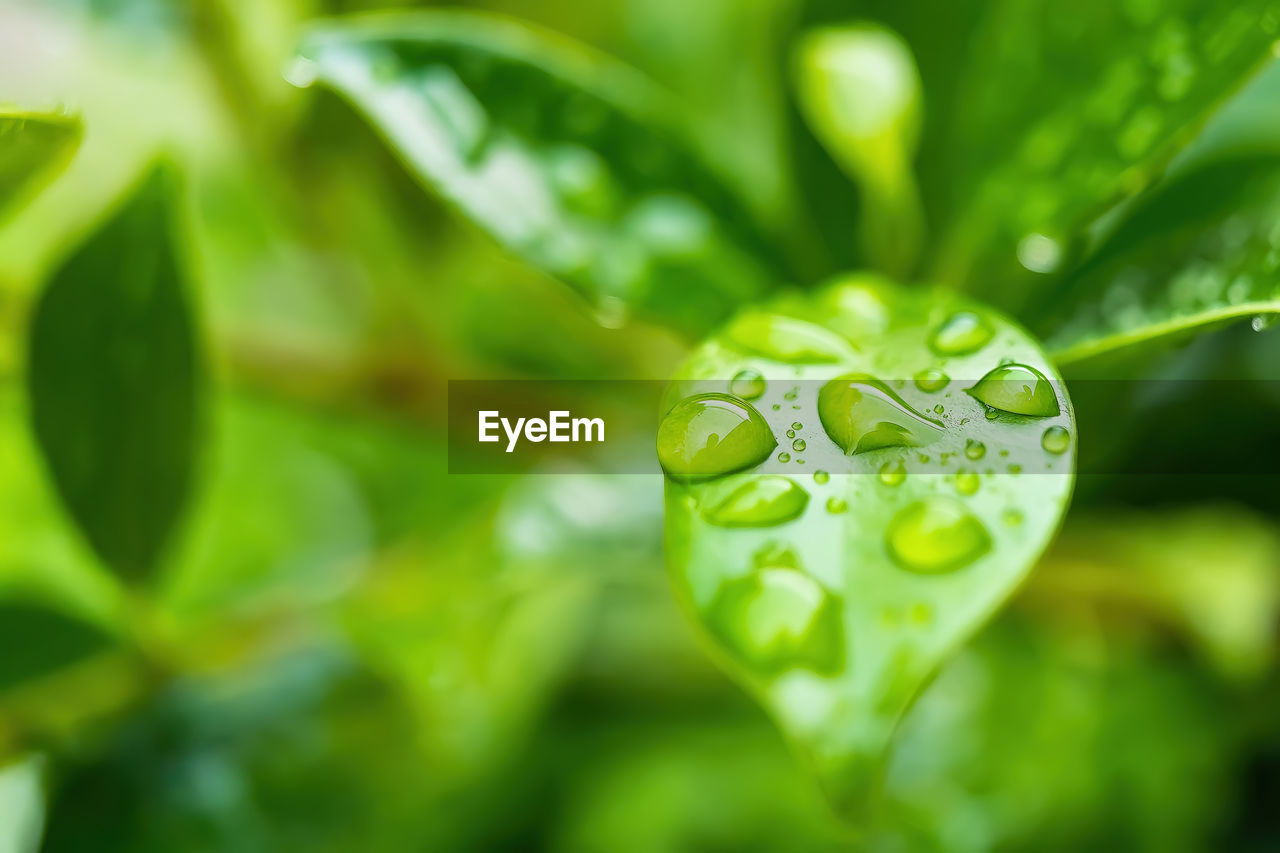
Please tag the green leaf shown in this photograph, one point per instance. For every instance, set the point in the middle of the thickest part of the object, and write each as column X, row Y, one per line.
column 1071, row 108
column 1200, row 252
column 32, row 147
column 861, row 93
column 22, row 805
column 925, row 508
column 114, row 379
column 37, row 640
column 562, row 156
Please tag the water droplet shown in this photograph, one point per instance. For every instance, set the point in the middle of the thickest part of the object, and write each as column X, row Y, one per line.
column 776, row 619
column 932, row 380
column 1055, row 440
column 936, row 535
column 835, row 506
column 791, row 433
column 797, row 425
column 1262, row 322
column 747, row 384
column 967, row 482
column 1015, row 469
column 301, row 72
column 784, row 456
column 1012, row 517
column 798, row 445
column 1017, row 389
column 786, row 339
column 960, row 334
column 939, row 409
column 763, row 502
column 861, row 414
column 821, row 477
column 920, row 613
column 709, row 435
column 974, row 450
column 775, row 555
column 1039, row 253
column 893, row 473
column 792, row 394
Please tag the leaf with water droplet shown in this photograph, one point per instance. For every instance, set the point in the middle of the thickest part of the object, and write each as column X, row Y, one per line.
column 568, row 159
column 32, row 147
column 115, row 380
column 893, row 525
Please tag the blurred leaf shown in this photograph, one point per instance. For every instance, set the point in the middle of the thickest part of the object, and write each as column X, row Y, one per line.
column 37, row 640
column 560, row 155
column 31, row 147
column 1071, row 108
column 22, row 805
column 1211, row 572
column 114, row 379
column 834, row 584
column 860, row 92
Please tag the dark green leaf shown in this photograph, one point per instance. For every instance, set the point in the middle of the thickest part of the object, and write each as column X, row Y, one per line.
column 894, row 517
column 114, row 379
column 31, row 147
column 1068, row 108
column 37, row 641
column 562, row 156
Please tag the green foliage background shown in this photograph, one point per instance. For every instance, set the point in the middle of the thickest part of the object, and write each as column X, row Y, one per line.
column 242, row 604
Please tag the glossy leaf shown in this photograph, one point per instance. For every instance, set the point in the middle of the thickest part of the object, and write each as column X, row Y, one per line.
column 860, row 91
column 38, row 640
column 114, row 380
column 925, row 510
column 32, row 146
column 1070, row 108
column 1201, row 252
column 562, row 156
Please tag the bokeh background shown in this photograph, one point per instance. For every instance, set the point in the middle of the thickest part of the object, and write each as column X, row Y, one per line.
column 347, row 649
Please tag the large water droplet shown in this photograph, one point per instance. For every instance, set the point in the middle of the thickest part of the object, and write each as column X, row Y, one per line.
column 960, row 334
column 775, row 619
column 936, row 535
column 709, row 435
column 1055, row 440
column 1017, row 389
column 931, row 380
column 974, row 450
column 747, row 384
column 860, row 413
column 785, row 339
column 798, row 445
column 763, row 502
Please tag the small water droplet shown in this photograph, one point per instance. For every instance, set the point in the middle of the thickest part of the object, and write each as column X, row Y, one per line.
column 1262, row 322
column 974, row 450
column 797, row 425
column 936, row 535
column 821, row 477
column 784, row 456
column 967, row 482
column 939, row 409
column 1039, row 253
column 763, row 502
column 861, row 414
column 931, row 380
column 1017, row 389
column 960, row 334
column 792, row 394
column 301, row 72
column 1015, row 468
column 798, row 445
column 747, row 384
column 1055, row 440
column 709, row 435
column 1012, row 517
column 791, row 433
column 835, row 506
column 893, row 473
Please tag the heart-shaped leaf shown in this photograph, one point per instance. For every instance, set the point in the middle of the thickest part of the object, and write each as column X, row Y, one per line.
column 564, row 157
column 32, row 145
column 854, row 485
column 114, row 379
